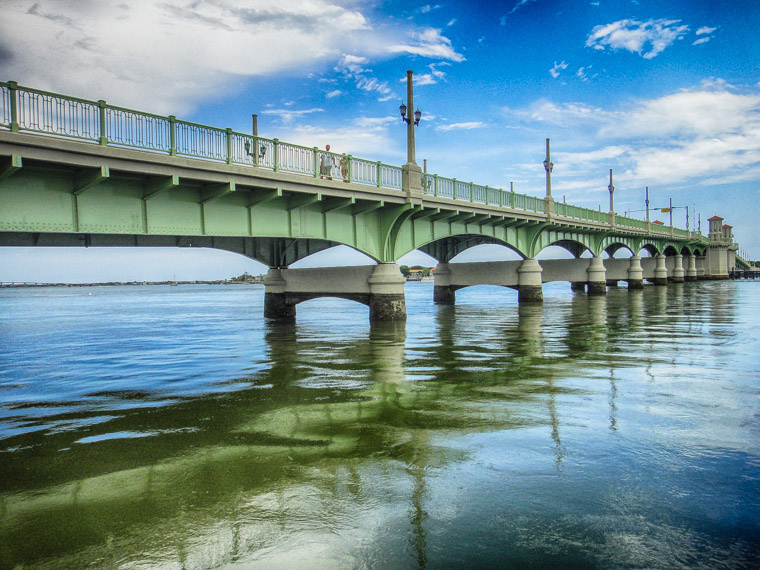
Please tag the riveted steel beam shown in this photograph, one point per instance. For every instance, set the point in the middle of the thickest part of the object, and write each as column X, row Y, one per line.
column 367, row 207
column 333, row 204
column 9, row 165
column 260, row 197
column 295, row 202
column 86, row 179
column 215, row 191
column 155, row 186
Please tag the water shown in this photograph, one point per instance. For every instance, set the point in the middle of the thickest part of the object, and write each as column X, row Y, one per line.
column 172, row 427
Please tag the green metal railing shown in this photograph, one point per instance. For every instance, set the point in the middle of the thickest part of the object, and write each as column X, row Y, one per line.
column 32, row 110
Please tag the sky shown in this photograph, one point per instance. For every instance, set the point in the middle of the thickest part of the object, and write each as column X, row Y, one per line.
column 667, row 94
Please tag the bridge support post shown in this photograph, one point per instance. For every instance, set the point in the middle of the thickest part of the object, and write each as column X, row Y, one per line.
column 597, row 282
column 443, row 294
column 578, row 286
column 529, row 288
column 276, row 305
column 635, row 273
column 691, row 268
column 386, row 299
column 660, row 271
column 701, row 271
column 678, row 272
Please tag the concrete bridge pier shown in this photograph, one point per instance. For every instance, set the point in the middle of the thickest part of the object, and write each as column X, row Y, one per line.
column 691, row 268
column 578, row 286
column 380, row 287
column 700, row 263
column 276, row 305
column 678, row 271
column 635, row 273
column 529, row 288
column 443, row 292
column 386, row 293
column 660, row 270
column 597, row 282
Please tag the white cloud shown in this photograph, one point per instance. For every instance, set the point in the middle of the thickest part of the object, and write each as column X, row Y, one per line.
column 648, row 39
column 558, row 67
column 287, row 115
column 520, row 4
column 705, row 30
column 166, row 56
column 461, row 126
column 701, row 41
column 429, row 43
column 707, row 133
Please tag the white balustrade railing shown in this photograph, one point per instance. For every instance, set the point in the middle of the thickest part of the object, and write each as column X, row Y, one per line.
column 24, row 109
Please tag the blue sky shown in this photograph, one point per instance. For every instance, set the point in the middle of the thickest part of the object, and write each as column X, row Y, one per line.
column 667, row 94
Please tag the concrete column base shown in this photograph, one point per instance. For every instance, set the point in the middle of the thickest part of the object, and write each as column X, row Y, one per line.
column 530, row 294
column 660, row 271
column 636, row 284
column 444, row 295
column 612, row 283
column 597, row 288
column 578, row 286
column 529, row 287
column 690, row 278
column 597, row 282
column 277, row 307
column 387, row 307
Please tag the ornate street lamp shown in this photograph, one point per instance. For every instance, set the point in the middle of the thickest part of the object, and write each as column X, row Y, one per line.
column 411, row 119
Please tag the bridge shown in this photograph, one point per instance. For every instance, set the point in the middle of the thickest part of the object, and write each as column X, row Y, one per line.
column 75, row 172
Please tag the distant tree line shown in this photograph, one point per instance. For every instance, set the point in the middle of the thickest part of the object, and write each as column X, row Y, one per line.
column 406, row 271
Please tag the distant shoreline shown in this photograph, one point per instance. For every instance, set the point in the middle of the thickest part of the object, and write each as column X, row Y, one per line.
column 18, row 285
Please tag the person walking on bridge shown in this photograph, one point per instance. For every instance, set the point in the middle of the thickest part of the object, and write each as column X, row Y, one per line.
column 327, row 164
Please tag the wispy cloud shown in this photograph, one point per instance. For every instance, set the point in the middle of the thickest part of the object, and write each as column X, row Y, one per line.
column 520, row 4
column 707, row 132
column 704, row 31
column 461, row 126
column 557, row 69
column 648, row 39
column 353, row 67
column 429, row 43
column 56, row 45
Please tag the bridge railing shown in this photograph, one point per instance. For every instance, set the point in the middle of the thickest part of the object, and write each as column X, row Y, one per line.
column 434, row 185
column 32, row 110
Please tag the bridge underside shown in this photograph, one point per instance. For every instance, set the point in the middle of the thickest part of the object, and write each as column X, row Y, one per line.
column 273, row 252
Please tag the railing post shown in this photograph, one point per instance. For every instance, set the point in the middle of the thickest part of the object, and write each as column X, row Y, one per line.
column 172, row 135
column 103, row 141
column 316, row 162
column 487, row 202
column 350, row 168
column 456, row 196
column 276, row 157
column 12, row 99
column 472, row 192
column 512, row 200
column 228, row 131
column 435, row 185
column 501, row 198
column 379, row 174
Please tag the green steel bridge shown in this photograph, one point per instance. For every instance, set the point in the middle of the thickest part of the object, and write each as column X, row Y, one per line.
column 75, row 172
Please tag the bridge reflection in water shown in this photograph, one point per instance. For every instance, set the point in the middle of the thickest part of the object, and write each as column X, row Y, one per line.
column 345, row 444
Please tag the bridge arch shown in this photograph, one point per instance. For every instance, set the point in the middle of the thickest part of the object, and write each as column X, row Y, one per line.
column 445, row 249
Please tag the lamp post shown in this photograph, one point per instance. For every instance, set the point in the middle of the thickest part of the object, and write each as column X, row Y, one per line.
column 411, row 119
column 411, row 173
column 611, row 188
column 548, row 166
